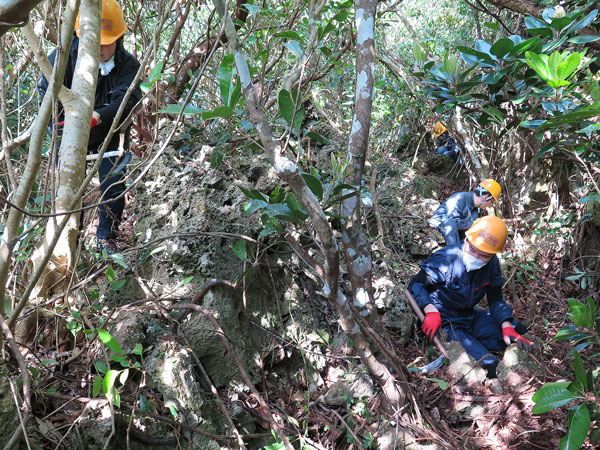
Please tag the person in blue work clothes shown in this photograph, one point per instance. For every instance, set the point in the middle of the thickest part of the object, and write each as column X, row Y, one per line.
column 446, row 145
column 117, row 69
column 454, row 280
column 455, row 215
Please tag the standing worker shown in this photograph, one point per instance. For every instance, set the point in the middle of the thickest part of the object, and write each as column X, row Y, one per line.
column 460, row 210
column 117, row 69
column 455, row 279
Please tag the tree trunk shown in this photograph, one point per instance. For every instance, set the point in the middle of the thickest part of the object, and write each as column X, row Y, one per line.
column 15, row 13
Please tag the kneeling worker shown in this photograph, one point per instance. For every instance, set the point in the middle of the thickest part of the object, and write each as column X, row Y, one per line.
column 460, row 210
column 455, row 279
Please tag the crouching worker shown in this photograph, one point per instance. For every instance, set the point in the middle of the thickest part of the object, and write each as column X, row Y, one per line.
column 455, row 279
column 460, row 210
column 446, row 145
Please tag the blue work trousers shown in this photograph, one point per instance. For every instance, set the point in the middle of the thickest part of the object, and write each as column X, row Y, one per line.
column 479, row 335
column 110, row 187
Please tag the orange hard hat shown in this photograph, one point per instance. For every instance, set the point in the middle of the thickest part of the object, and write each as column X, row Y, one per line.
column 113, row 25
column 492, row 187
column 488, row 234
column 439, row 128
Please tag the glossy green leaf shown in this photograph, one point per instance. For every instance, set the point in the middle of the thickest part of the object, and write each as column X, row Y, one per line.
column 110, row 341
column 254, row 204
column 502, row 47
column 116, row 397
column 123, row 377
column 224, row 112
column 289, row 35
column 533, row 44
column 294, row 47
column 175, row 109
column 443, row 385
column 253, row 193
column 144, row 404
column 552, row 396
column 568, row 66
column 110, row 274
column 579, row 370
column 97, row 386
column 579, row 425
column 574, row 117
column 583, row 39
column 100, row 366
column 539, row 63
column 109, row 383
column 314, row 184
column 587, row 20
column 286, row 107
column 239, row 248
column 117, row 285
column 225, row 76
column 580, row 314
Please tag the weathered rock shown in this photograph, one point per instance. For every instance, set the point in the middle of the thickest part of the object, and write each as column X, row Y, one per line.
column 128, row 329
column 463, row 367
column 355, row 385
column 391, row 437
column 516, row 367
column 171, row 373
column 9, row 420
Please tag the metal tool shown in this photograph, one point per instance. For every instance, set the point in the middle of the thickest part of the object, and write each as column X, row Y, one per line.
column 436, row 340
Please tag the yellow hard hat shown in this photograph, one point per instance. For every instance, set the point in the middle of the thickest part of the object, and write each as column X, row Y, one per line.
column 492, row 187
column 113, row 25
column 488, row 234
column 439, row 128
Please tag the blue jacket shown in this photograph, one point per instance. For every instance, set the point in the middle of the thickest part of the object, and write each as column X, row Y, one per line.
column 454, row 291
column 458, row 212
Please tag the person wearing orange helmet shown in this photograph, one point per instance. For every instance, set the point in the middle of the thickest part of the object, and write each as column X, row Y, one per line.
column 455, row 215
column 455, row 279
column 117, row 69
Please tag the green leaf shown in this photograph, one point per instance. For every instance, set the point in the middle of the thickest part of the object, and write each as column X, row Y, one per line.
column 137, row 350
column 583, row 39
column 155, row 73
column 443, row 385
column 110, row 341
column 175, row 109
column 580, row 314
column 492, row 26
column 253, row 193
column 34, row 371
column 579, row 425
column 574, row 117
column 224, row 112
column 314, row 185
column 97, row 387
column 317, row 137
column 239, row 248
column 110, row 274
column 121, row 360
column 186, row 281
column 225, row 76
column 552, row 396
column 502, row 47
column 254, row 204
column 216, row 158
column 568, row 66
column 294, row 47
column 144, row 404
column 117, row 285
column 119, row 259
column 286, row 107
column 584, row 22
column 539, row 63
column 116, row 397
column 49, row 361
column 252, row 9
column 109, row 383
column 289, row 35
column 123, row 376
column 578, row 369
column 101, row 366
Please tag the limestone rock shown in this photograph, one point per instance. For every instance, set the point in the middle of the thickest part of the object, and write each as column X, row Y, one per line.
column 353, row 386
column 463, row 365
column 516, row 367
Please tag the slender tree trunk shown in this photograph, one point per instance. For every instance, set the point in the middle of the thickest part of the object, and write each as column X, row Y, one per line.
column 287, row 170
column 15, row 13
column 357, row 248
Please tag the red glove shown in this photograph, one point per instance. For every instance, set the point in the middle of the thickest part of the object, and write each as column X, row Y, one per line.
column 432, row 324
column 513, row 336
column 94, row 123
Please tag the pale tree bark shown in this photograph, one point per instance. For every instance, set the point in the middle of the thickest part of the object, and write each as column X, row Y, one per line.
column 55, row 76
column 357, row 248
column 15, row 13
column 78, row 107
column 287, row 170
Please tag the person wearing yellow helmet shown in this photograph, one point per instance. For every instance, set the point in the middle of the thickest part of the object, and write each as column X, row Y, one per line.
column 455, row 215
column 446, row 145
column 455, row 279
column 117, row 69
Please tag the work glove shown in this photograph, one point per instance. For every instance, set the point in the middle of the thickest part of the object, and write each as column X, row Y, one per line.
column 431, row 324
column 510, row 336
column 92, row 124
